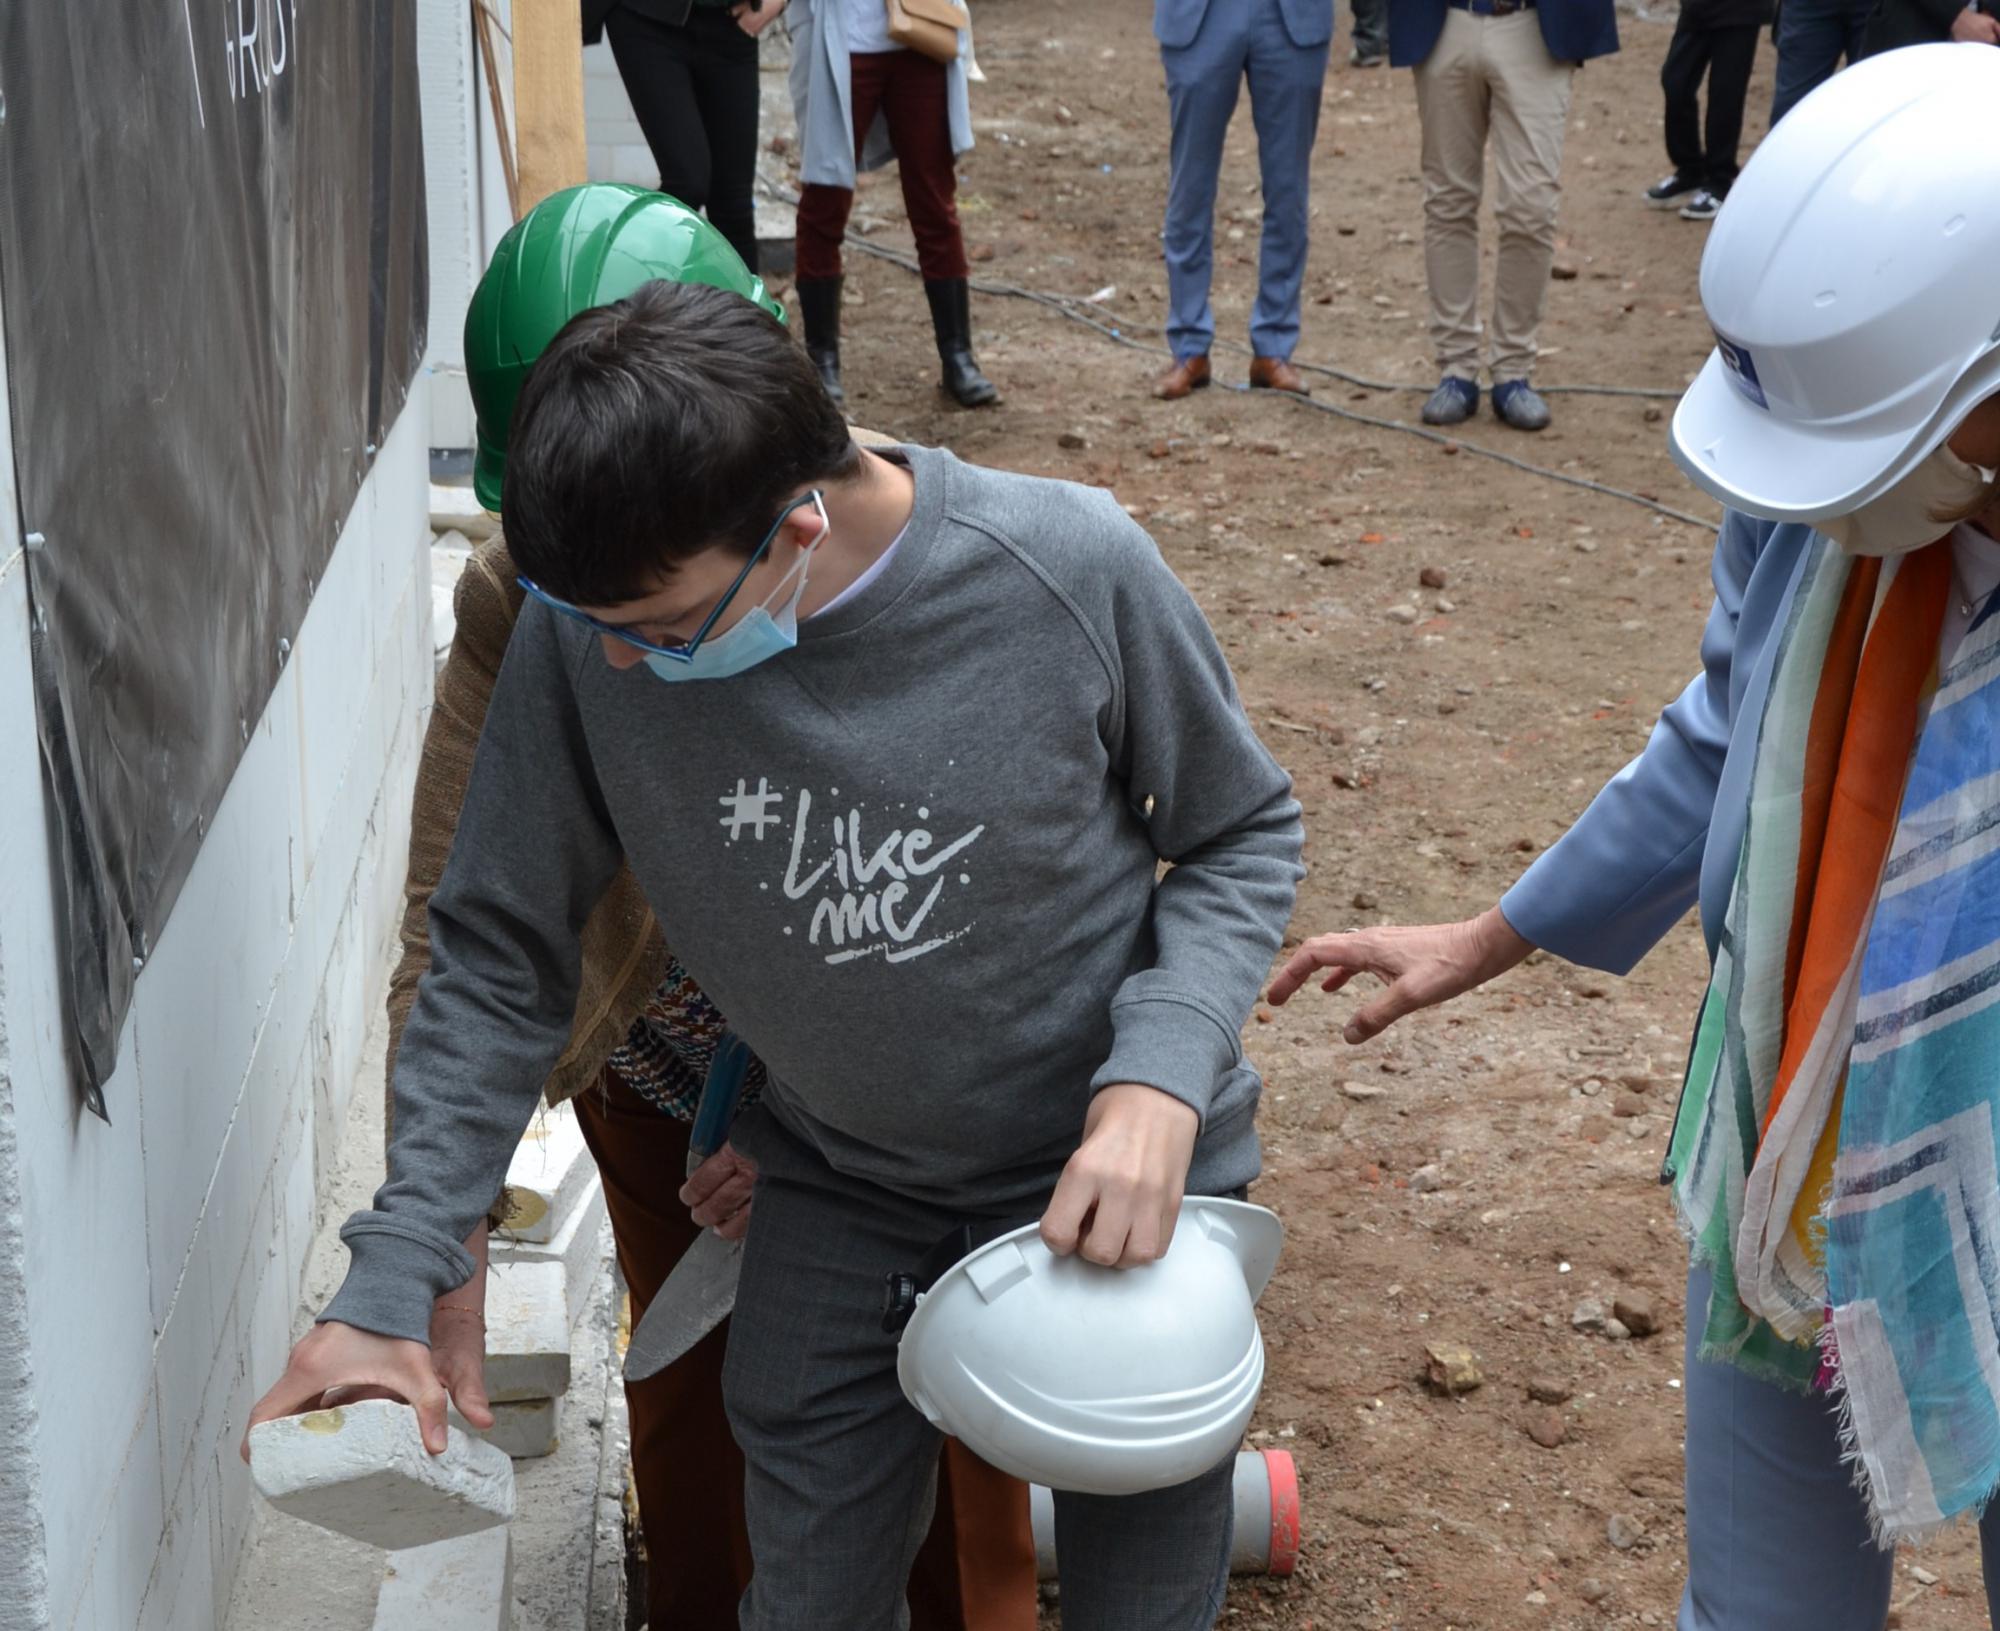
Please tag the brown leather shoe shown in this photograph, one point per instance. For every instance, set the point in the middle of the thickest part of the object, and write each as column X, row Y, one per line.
column 1276, row 374
column 1183, row 377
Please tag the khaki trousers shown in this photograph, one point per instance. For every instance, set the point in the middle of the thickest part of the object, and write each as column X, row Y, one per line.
column 1491, row 74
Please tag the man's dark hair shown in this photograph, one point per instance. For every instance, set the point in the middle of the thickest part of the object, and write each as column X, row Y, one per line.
column 675, row 420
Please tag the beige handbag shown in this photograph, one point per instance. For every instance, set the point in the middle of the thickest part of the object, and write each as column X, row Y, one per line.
column 928, row 26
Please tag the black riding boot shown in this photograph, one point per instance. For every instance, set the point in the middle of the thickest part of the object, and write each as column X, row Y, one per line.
column 951, row 316
column 819, row 305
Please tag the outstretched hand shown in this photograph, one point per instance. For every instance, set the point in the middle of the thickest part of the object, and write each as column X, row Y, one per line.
column 1420, row 966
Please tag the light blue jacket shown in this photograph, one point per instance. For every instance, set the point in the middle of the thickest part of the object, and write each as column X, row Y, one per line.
column 1668, row 828
column 822, row 104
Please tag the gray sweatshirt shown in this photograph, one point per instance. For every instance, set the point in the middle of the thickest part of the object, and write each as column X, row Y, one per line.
column 916, row 861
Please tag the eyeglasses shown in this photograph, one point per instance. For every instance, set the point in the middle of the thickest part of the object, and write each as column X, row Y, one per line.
column 684, row 653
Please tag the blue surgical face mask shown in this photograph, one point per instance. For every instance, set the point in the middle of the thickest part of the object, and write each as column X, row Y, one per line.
column 759, row 635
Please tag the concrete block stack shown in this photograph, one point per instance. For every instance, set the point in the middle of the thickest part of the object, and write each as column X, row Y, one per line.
column 546, row 1259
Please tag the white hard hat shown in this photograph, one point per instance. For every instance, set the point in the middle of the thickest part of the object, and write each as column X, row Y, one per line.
column 1104, row 1381
column 1853, row 281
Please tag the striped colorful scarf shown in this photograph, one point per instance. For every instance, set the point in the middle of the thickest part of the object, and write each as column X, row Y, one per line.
column 1834, row 1162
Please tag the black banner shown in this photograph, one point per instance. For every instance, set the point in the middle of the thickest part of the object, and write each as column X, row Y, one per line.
column 212, row 247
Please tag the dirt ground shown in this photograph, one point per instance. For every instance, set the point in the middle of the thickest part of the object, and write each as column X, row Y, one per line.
column 1440, row 737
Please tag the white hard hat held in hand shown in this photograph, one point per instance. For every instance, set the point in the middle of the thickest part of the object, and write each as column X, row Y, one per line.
column 1853, row 282
column 1100, row 1380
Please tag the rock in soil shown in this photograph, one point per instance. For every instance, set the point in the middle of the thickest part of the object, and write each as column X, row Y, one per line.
column 1636, row 1311
column 1624, row 1531
column 1593, row 1591
column 1451, row 1369
column 1588, row 1315
column 1549, row 1390
column 1548, row 1429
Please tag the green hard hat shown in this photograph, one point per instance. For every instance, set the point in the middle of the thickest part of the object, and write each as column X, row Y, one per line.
column 582, row 247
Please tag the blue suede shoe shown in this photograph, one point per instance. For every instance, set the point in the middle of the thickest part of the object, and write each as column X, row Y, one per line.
column 1452, row 403
column 1521, row 405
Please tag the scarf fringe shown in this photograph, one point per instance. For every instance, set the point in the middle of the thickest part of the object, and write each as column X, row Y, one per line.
column 1887, row 1536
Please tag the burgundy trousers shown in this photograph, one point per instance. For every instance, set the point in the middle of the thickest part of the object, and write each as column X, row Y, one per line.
column 908, row 89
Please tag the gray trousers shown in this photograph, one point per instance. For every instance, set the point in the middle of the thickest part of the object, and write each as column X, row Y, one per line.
column 840, row 1469
column 1777, row 1533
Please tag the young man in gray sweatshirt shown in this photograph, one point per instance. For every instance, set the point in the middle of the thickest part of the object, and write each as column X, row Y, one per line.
column 895, row 746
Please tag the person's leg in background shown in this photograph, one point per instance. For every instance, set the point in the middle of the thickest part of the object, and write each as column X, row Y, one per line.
column 821, row 229
column 685, row 1464
column 1286, row 81
column 916, row 103
column 726, row 94
column 659, row 65
column 1454, row 104
column 1812, row 36
column 1680, row 81
column 1778, row 1536
column 1371, row 34
column 976, row 1569
column 1203, row 78
column 1531, row 92
column 1732, row 54
column 1154, row 1562
column 1855, row 16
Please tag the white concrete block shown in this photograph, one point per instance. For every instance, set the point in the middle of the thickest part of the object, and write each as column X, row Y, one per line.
column 452, row 1585
column 362, row 1470
column 549, row 1177
column 524, row 1428
column 137, row 1513
column 527, row 1332
column 578, row 1247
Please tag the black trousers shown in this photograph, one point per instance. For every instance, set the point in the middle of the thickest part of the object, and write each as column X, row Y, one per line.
column 694, row 89
column 1707, row 155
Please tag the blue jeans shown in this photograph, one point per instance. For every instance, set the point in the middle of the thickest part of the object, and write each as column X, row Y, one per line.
column 1813, row 35
column 1778, row 1535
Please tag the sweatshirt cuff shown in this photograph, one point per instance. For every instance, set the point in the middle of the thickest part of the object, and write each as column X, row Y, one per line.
column 394, row 1275
column 1170, row 1044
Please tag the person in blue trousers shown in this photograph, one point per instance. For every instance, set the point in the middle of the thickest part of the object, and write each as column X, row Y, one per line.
column 1824, row 792
column 1813, row 36
column 1210, row 47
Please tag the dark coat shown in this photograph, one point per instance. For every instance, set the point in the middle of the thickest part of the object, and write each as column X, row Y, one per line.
column 1574, row 30
column 1897, row 23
